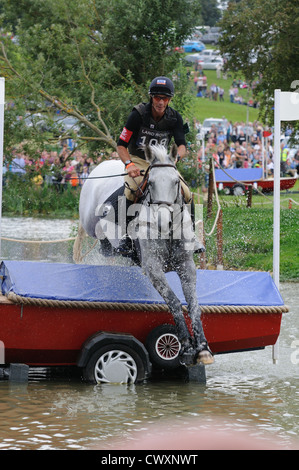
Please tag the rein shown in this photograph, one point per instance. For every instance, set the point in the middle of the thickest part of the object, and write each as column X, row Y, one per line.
column 105, row 176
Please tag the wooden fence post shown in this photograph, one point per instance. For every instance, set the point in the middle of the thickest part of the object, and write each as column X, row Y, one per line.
column 210, row 189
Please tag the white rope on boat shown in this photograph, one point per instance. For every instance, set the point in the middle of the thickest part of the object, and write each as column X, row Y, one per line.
column 246, row 309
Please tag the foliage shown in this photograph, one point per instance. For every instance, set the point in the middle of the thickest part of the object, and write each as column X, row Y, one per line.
column 260, row 40
column 22, row 197
column 189, row 170
column 142, row 35
column 91, row 59
column 210, row 12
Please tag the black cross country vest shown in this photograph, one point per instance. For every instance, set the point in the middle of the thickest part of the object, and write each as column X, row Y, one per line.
column 152, row 132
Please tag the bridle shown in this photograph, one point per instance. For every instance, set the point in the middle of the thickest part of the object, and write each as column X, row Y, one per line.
column 159, row 202
column 143, row 189
column 175, row 208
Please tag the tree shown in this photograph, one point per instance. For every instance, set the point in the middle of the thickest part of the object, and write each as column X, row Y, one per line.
column 210, row 12
column 260, row 40
column 91, row 59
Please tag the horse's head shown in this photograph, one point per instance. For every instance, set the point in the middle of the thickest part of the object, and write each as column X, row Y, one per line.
column 163, row 180
column 163, row 184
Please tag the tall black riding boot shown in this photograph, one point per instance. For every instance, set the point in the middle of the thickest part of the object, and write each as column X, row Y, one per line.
column 125, row 246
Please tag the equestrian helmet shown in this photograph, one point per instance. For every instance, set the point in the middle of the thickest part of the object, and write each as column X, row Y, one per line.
column 161, row 85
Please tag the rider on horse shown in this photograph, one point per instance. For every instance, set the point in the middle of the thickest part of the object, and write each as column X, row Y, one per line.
column 150, row 123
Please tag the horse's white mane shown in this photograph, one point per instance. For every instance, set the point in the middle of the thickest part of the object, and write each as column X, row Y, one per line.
column 160, row 152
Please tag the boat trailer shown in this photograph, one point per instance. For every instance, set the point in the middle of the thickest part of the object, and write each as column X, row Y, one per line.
column 110, row 322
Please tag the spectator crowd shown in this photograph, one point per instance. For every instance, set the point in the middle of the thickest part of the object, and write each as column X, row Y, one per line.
column 61, row 168
column 241, row 145
column 215, row 92
column 232, row 145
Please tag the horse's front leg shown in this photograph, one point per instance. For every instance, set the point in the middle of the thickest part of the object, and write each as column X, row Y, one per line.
column 151, row 263
column 187, row 273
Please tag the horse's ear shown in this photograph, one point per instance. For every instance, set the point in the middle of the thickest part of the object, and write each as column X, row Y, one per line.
column 173, row 152
column 149, row 155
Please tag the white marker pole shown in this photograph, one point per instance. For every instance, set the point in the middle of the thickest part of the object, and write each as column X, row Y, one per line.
column 2, row 104
column 276, row 209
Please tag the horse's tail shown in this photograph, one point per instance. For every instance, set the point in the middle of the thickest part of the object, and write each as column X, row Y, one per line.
column 77, row 248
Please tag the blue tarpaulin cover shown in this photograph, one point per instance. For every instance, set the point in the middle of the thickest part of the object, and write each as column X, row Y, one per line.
column 238, row 174
column 128, row 284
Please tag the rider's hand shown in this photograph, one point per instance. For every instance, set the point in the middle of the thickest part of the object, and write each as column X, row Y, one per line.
column 132, row 170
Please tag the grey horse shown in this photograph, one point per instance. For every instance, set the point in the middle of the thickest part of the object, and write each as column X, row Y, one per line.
column 162, row 233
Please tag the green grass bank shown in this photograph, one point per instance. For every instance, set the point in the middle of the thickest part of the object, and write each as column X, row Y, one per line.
column 248, row 241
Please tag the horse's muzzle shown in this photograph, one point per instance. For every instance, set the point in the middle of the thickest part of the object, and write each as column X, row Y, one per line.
column 165, row 204
column 165, row 218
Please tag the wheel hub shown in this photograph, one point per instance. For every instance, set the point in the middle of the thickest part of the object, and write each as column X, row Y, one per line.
column 168, row 346
column 116, row 367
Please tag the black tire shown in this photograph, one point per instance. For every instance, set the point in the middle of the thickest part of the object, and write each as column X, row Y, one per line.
column 114, row 363
column 227, row 190
column 163, row 347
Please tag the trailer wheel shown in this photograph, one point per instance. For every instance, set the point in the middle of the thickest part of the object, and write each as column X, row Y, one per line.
column 114, row 363
column 238, row 190
column 163, row 347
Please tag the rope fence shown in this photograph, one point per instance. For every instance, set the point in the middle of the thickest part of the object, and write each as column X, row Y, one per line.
column 38, row 241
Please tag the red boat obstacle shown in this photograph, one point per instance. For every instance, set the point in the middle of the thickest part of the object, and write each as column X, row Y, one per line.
column 111, row 322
